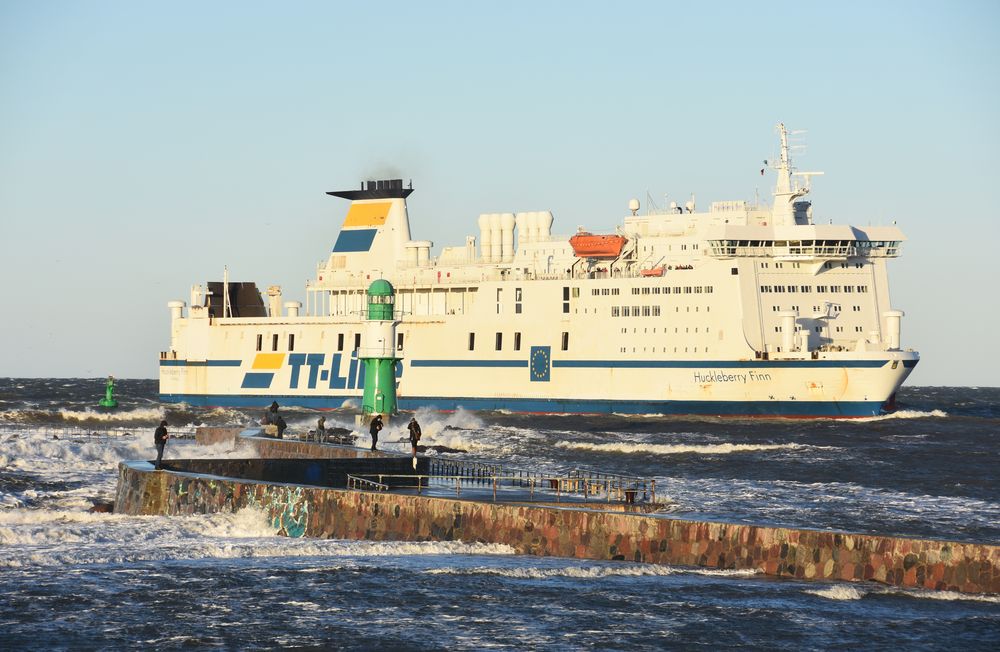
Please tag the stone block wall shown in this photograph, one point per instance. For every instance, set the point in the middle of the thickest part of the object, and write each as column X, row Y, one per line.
column 291, row 448
column 206, row 436
column 580, row 533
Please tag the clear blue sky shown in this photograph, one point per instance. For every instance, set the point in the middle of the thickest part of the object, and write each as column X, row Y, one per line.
column 145, row 145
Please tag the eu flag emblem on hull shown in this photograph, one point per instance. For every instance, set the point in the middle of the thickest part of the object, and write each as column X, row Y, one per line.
column 541, row 363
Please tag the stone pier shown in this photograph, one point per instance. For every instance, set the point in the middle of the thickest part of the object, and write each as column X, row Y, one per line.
column 308, row 497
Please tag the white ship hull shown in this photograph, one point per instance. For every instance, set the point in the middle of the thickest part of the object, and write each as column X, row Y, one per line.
column 736, row 311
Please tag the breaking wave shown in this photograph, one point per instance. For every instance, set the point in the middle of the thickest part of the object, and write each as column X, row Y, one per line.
column 589, row 572
column 851, row 592
column 906, row 414
column 680, row 449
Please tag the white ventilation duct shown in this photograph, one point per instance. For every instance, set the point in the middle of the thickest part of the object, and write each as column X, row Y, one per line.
column 892, row 327
column 522, row 229
column 411, row 253
column 496, row 239
column 507, row 232
column 544, row 225
column 485, row 238
column 292, row 308
column 531, row 219
column 176, row 309
column 787, row 330
column 423, row 252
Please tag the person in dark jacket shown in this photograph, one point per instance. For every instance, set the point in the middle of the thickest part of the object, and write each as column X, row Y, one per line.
column 280, row 422
column 373, row 429
column 414, row 429
column 160, row 438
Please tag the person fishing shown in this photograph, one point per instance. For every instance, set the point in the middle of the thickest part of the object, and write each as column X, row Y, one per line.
column 160, row 438
column 414, row 429
column 373, row 429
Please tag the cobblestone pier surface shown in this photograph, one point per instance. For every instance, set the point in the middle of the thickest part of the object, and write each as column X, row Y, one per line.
column 568, row 531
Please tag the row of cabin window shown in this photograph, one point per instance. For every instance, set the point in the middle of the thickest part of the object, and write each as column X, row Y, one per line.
column 564, row 341
column 635, row 311
column 604, row 292
column 677, row 330
column 834, row 307
column 819, row 329
column 808, row 288
column 340, row 341
column 274, row 342
column 647, row 311
column 826, row 265
column 652, row 349
column 687, row 289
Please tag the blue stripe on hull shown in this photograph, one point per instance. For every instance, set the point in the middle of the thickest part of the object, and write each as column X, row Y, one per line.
column 702, row 408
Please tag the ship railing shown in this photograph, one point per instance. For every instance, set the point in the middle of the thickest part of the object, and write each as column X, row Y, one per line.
column 512, row 488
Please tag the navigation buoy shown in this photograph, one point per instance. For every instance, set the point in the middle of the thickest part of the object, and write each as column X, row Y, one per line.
column 109, row 400
column 378, row 353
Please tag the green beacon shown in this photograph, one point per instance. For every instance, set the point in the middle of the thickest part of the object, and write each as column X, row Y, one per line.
column 109, row 400
column 378, row 351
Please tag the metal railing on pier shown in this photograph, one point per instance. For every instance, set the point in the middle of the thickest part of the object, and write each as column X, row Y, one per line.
column 473, row 477
column 356, row 482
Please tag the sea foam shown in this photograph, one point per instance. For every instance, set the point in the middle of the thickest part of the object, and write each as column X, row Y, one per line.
column 679, row 449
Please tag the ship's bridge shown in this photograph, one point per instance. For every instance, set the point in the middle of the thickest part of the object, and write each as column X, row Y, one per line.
column 812, row 242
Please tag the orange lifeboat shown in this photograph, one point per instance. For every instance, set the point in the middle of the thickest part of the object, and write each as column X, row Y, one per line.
column 653, row 271
column 588, row 245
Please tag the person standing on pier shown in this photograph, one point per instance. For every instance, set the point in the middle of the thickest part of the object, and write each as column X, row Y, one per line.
column 160, row 438
column 373, row 429
column 321, row 429
column 414, row 429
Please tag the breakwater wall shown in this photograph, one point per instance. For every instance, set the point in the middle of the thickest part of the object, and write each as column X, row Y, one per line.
column 301, row 510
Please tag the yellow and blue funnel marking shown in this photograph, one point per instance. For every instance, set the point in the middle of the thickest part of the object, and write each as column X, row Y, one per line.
column 262, row 380
column 367, row 214
column 355, row 239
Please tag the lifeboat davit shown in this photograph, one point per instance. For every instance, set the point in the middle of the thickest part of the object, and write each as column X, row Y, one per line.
column 588, row 245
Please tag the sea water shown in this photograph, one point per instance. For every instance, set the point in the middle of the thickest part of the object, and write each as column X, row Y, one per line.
column 71, row 578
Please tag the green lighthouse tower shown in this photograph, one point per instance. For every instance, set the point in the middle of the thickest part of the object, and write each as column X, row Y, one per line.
column 378, row 351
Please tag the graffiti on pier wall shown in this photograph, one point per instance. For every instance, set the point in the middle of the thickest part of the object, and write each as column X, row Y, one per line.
column 287, row 507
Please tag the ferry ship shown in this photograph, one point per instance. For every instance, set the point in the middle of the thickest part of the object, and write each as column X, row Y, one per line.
column 741, row 310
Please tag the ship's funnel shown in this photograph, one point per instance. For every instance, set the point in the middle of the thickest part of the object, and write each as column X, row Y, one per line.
column 377, row 226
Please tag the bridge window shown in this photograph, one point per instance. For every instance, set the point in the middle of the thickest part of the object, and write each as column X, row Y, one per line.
column 291, row 341
column 274, row 342
column 565, row 341
column 499, row 345
column 472, row 341
column 260, row 342
column 517, row 341
column 340, row 341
